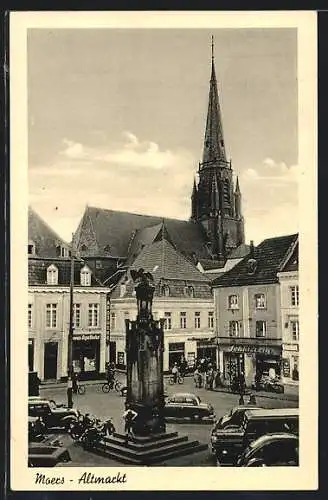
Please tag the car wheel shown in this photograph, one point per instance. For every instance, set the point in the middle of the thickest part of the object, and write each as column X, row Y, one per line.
column 105, row 388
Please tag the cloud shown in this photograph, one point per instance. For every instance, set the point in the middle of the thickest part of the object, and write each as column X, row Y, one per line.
column 272, row 171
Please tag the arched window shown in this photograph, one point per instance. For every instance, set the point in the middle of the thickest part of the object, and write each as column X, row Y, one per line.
column 52, row 275
column 190, row 291
column 84, row 248
column 226, row 191
column 85, row 276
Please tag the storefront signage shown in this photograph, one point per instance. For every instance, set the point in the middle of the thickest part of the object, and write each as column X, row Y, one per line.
column 86, row 336
column 290, row 347
column 286, row 367
column 252, row 349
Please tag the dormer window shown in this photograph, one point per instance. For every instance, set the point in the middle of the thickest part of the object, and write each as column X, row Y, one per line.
column 107, row 249
column 52, row 275
column 84, row 248
column 31, row 248
column 62, row 251
column 85, row 276
column 251, row 266
column 190, row 291
column 165, row 290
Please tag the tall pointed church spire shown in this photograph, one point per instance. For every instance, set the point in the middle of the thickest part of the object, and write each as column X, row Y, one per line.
column 237, row 190
column 214, row 149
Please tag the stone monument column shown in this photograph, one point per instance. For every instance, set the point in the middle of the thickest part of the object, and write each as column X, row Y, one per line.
column 144, row 348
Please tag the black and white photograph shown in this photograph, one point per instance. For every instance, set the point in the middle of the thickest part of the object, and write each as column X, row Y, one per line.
column 164, row 214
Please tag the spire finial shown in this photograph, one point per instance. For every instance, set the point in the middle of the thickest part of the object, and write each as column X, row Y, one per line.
column 212, row 47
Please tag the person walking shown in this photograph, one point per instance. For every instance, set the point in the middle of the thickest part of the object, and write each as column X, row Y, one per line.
column 129, row 416
column 75, row 384
column 175, row 372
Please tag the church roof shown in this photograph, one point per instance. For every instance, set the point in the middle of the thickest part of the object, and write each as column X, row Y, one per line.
column 45, row 239
column 269, row 257
column 121, row 234
column 241, row 251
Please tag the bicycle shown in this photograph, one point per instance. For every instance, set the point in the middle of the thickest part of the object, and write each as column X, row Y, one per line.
column 80, row 389
column 179, row 379
column 115, row 384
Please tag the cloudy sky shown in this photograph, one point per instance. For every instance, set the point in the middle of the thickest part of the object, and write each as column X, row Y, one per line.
column 116, row 120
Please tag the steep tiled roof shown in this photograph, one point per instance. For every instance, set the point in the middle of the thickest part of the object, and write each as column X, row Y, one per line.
column 37, row 272
column 45, row 239
column 163, row 261
column 208, row 264
column 291, row 262
column 269, row 256
column 239, row 252
column 140, row 239
column 101, row 228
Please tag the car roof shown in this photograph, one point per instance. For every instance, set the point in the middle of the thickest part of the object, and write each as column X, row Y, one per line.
column 38, row 400
column 274, row 412
column 275, row 436
column 246, row 407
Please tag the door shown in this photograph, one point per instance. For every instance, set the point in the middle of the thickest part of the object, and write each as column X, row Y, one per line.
column 112, row 352
column 50, row 360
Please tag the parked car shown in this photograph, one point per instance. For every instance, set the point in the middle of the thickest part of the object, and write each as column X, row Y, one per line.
column 188, row 406
column 44, row 455
column 234, row 418
column 52, row 415
column 229, row 443
column 36, row 428
column 271, row 450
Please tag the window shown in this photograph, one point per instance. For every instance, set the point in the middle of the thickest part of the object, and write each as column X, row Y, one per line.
column 260, row 302
column 93, row 315
column 126, row 317
column 98, row 264
column 233, row 302
column 210, row 319
column 183, row 320
column 62, row 251
column 52, row 275
column 190, row 291
column 85, row 276
column 29, row 316
column 77, row 315
column 84, row 248
column 197, row 319
column 112, row 321
column 31, row 248
column 260, row 328
column 234, row 328
column 167, row 321
column 294, row 326
column 294, row 295
column 165, row 290
column 51, row 315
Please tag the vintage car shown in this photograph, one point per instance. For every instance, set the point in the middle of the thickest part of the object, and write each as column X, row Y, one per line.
column 229, row 443
column 45, row 455
column 188, row 407
column 52, row 415
column 36, row 428
column 271, row 450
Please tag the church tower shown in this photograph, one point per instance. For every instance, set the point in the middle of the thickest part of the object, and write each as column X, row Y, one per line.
column 216, row 204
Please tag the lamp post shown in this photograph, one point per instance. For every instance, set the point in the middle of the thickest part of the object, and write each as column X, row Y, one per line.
column 70, row 337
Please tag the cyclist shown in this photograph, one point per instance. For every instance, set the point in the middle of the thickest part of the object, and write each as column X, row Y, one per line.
column 175, row 372
column 111, row 374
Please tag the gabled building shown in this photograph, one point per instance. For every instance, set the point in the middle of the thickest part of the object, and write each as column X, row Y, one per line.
column 108, row 239
column 182, row 297
column 289, row 304
column 49, row 274
column 248, row 310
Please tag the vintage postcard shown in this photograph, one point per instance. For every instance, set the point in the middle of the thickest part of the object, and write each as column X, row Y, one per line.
column 163, row 251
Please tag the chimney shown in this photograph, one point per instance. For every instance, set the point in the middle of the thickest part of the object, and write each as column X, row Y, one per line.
column 251, row 250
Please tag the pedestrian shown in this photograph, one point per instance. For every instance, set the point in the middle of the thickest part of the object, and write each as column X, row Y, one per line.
column 175, row 372
column 197, row 378
column 129, row 416
column 75, row 384
column 252, row 399
column 241, row 400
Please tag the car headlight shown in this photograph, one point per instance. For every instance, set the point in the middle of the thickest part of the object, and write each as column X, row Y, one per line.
column 224, row 452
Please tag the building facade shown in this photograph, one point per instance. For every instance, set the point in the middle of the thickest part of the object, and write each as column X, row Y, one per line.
column 289, row 304
column 249, row 316
column 49, row 275
column 182, row 298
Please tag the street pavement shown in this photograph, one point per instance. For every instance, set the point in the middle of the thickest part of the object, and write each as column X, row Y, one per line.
column 95, row 402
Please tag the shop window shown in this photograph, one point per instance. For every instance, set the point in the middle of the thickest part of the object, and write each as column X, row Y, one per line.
column 77, row 315
column 210, row 319
column 29, row 316
column 183, row 320
column 93, row 316
column 165, row 291
column 112, row 321
column 233, row 302
column 294, row 326
column 167, row 321
column 260, row 302
column 52, row 275
column 197, row 320
column 294, row 295
column 85, row 276
column 51, row 315
column 234, row 328
column 261, row 328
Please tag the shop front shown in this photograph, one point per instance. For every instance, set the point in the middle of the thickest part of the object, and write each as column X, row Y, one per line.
column 254, row 361
column 86, row 355
column 290, row 364
column 207, row 349
column 176, row 353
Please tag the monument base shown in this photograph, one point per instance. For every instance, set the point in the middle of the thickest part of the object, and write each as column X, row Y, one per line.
column 148, row 450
